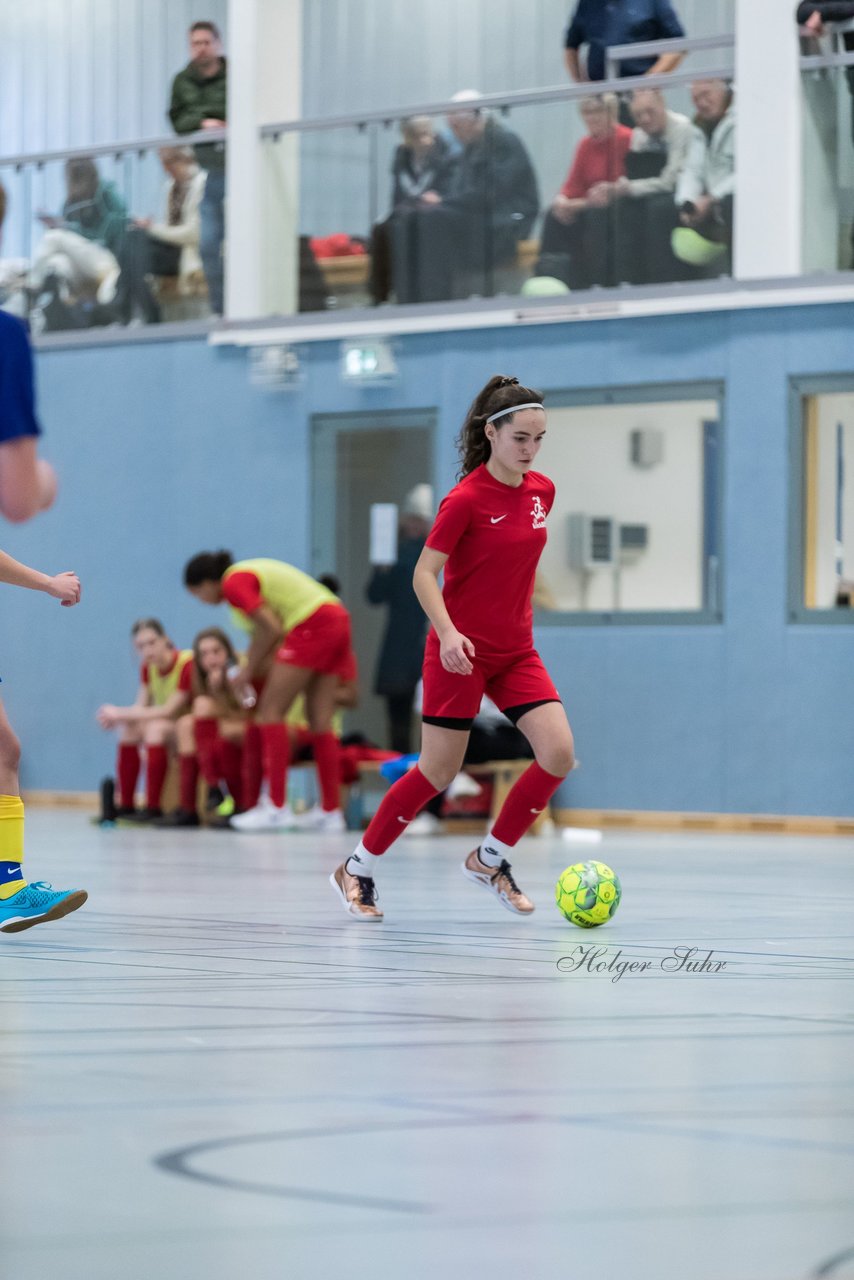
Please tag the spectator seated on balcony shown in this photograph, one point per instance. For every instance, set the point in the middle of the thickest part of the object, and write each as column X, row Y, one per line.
column 657, row 155
column 577, row 240
column 422, row 168
column 168, row 248
column 706, row 186
column 77, row 259
column 454, row 242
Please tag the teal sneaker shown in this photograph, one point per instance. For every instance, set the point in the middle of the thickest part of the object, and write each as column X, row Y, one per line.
column 36, row 903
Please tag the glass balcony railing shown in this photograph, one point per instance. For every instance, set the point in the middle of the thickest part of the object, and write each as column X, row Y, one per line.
column 105, row 238
column 537, row 195
column 827, row 86
column 533, row 195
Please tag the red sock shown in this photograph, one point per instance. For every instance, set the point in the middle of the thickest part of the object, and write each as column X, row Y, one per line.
column 251, row 766
column 189, row 778
column 400, row 805
column 206, row 731
column 230, row 759
column 326, row 759
column 527, row 798
column 275, row 755
column 156, row 764
column 127, row 769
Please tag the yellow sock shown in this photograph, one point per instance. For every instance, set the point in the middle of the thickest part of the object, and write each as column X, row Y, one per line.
column 11, row 845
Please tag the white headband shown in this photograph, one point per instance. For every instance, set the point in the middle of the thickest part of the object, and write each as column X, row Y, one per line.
column 515, row 408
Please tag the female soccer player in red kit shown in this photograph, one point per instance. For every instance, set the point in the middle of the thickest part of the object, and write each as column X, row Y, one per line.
column 488, row 537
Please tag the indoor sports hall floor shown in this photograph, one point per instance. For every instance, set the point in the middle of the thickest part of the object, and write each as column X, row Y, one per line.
column 210, row 1071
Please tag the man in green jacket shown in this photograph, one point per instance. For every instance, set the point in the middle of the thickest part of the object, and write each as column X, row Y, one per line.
column 199, row 102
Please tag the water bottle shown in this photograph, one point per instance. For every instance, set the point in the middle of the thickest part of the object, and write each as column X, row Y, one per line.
column 246, row 696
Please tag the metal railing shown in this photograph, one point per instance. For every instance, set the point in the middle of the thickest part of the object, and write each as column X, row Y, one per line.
column 497, row 101
column 138, row 145
column 617, row 53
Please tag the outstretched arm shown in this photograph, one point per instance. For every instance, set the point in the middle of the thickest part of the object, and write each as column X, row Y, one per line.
column 64, row 587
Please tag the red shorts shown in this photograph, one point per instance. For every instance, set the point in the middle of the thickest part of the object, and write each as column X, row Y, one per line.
column 321, row 642
column 512, row 680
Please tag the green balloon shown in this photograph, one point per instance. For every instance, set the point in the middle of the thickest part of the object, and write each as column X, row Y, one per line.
column 688, row 246
column 544, row 287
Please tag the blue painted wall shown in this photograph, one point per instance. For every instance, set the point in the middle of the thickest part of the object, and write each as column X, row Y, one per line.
column 167, row 449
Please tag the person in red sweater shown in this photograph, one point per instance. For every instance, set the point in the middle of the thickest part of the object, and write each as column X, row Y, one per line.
column 575, row 245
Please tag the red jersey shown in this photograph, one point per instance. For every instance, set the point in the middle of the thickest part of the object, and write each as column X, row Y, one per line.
column 493, row 536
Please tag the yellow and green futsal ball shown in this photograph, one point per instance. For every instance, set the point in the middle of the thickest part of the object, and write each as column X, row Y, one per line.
column 588, row 894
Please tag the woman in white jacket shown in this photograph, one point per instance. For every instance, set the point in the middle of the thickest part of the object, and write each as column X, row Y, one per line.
column 169, row 247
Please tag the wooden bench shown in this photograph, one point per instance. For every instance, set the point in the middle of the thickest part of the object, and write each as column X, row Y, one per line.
column 349, row 275
column 503, row 774
column 188, row 302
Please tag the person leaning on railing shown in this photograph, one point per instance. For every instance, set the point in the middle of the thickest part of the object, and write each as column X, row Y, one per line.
column 199, row 102
column 600, row 26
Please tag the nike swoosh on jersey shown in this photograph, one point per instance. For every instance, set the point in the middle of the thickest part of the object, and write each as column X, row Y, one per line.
column 497, row 519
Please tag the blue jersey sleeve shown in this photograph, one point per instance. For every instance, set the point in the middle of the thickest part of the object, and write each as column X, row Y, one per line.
column 17, row 387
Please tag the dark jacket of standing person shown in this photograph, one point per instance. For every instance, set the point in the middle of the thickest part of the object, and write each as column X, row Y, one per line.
column 196, row 98
column 602, row 24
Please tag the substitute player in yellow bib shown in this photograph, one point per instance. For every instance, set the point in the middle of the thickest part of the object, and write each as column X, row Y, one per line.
column 300, row 643
column 163, row 696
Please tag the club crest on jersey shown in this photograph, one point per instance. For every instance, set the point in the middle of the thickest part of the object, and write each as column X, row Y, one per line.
column 538, row 511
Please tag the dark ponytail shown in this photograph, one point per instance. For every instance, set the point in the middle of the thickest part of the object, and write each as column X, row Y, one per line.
column 499, row 393
column 207, row 566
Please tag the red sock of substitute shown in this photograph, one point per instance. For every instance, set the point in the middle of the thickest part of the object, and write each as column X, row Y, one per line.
column 156, row 764
column 206, row 732
column 188, row 782
column 275, row 755
column 230, row 759
column 252, row 770
column 327, row 751
column 526, row 799
column 400, row 805
column 127, row 770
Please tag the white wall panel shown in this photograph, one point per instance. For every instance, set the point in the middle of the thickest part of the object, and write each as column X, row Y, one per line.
column 75, row 72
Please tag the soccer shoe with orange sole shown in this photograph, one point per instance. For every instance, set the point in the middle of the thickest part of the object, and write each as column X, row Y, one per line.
column 357, row 893
column 498, row 880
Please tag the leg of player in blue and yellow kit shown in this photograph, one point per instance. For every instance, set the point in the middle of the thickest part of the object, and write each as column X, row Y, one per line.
column 22, row 905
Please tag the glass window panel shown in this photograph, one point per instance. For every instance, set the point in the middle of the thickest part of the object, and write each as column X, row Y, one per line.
column 828, row 501
column 828, row 168
column 634, row 526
